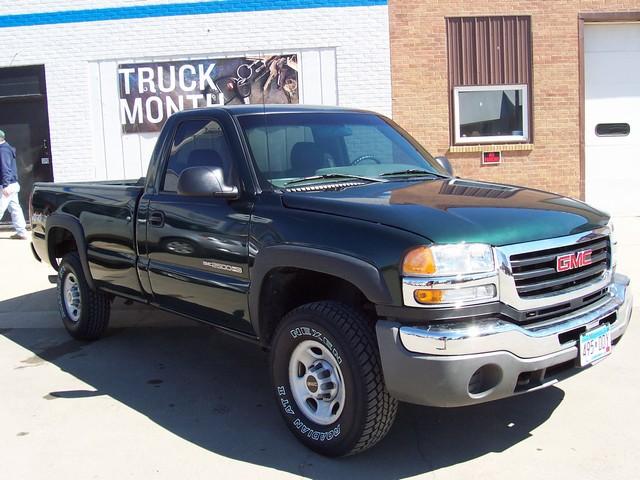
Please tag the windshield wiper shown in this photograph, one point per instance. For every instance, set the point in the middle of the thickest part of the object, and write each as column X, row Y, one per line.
column 332, row 175
column 413, row 171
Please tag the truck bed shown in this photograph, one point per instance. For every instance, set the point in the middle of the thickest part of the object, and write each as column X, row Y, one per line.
column 105, row 211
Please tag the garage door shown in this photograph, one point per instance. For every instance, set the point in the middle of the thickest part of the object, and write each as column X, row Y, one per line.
column 612, row 117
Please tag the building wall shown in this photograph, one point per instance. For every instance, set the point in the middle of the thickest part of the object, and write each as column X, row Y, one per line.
column 421, row 97
column 357, row 31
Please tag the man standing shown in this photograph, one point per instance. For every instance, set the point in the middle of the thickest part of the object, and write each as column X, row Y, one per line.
column 10, row 188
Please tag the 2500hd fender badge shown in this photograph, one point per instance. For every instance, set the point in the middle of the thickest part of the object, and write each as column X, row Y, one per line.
column 222, row 266
column 571, row 261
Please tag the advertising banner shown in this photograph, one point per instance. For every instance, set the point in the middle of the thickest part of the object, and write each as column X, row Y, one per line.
column 151, row 92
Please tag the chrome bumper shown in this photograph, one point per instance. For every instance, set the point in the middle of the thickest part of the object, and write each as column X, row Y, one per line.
column 468, row 362
column 466, row 338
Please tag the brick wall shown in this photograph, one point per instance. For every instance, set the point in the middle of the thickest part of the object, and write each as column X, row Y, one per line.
column 420, row 88
column 358, row 34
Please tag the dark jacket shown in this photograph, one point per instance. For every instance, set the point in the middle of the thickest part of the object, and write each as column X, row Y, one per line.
column 8, row 167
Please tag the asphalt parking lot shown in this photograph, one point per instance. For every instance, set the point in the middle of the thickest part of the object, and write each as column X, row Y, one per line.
column 163, row 397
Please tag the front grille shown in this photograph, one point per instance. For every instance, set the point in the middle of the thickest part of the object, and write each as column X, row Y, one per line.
column 535, row 273
column 533, row 317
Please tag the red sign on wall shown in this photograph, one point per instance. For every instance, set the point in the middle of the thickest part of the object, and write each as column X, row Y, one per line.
column 491, row 158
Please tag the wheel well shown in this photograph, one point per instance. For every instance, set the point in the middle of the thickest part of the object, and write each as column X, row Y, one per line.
column 287, row 288
column 61, row 242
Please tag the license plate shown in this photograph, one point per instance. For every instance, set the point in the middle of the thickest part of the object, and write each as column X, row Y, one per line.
column 595, row 344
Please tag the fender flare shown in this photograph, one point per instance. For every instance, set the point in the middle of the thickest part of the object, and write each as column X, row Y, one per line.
column 360, row 273
column 73, row 226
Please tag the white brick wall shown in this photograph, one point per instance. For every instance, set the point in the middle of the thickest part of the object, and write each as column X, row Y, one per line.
column 360, row 36
column 13, row 7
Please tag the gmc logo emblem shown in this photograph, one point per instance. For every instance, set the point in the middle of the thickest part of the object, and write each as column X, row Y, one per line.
column 571, row 260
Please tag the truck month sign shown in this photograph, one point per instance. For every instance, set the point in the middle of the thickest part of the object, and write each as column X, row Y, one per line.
column 151, row 92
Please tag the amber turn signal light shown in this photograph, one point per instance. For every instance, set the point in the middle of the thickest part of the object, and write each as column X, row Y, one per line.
column 428, row 296
column 419, row 261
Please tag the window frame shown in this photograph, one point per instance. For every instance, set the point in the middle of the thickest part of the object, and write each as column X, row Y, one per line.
column 491, row 139
column 266, row 185
column 174, row 132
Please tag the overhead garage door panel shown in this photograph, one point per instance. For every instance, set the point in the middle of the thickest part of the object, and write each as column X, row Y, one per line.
column 612, row 117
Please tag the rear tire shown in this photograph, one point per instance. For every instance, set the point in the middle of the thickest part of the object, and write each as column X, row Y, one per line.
column 85, row 313
column 327, row 377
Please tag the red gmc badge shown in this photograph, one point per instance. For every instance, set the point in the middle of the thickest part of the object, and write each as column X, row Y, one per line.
column 573, row 260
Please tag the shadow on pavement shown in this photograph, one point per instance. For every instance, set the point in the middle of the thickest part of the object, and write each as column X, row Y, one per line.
column 213, row 390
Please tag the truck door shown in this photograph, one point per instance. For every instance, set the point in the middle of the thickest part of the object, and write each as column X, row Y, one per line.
column 197, row 247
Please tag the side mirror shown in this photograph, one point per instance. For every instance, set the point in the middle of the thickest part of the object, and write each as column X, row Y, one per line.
column 445, row 163
column 205, row 182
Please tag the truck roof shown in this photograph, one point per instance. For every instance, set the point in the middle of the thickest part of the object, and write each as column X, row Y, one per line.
column 276, row 108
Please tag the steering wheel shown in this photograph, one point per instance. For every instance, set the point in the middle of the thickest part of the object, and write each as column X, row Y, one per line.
column 363, row 158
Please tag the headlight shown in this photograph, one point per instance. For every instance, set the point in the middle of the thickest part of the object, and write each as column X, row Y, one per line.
column 449, row 260
column 449, row 275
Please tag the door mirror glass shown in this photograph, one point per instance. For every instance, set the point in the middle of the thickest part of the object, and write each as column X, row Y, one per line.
column 446, row 164
column 205, row 182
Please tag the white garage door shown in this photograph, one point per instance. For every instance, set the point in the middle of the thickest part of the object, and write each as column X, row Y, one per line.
column 612, row 117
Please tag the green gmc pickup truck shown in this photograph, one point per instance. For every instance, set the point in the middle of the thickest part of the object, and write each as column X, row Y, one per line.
column 333, row 239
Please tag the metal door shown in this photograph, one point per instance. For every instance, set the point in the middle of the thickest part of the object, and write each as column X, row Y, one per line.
column 197, row 247
column 25, row 121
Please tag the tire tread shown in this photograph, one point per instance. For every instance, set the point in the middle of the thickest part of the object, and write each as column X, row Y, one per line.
column 359, row 335
column 96, row 305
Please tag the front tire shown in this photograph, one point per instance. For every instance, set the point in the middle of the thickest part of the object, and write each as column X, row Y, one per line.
column 85, row 313
column 328, row 381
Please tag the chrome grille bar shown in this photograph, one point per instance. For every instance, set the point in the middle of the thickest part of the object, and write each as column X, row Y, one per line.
column 535, row 273
column 529, row 265
column 550, row 257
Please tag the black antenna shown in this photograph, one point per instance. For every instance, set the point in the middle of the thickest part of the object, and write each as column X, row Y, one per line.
column 264, row 119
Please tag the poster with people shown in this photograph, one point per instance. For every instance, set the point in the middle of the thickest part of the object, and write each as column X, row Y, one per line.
column 151, row 92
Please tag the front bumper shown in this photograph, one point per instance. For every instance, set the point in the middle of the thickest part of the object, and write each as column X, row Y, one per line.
column 465, row 362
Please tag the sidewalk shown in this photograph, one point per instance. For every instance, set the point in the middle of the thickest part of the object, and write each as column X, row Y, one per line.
column 162, row 397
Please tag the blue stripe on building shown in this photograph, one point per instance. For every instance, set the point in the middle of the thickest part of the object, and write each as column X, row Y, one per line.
column 175, row 9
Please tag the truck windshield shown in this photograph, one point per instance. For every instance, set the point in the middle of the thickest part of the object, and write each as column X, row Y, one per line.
column 290, row 147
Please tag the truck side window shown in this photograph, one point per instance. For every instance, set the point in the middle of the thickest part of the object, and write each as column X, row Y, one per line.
column 197, row 143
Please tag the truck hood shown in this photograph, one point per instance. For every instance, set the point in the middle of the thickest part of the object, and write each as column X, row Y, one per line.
column 456, row 210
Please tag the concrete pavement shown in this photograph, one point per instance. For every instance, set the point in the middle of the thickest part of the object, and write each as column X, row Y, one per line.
column 162, row 397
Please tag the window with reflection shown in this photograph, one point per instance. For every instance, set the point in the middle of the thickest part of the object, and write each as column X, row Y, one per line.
column 197, row 143
column 491, row 113
column 490, row 72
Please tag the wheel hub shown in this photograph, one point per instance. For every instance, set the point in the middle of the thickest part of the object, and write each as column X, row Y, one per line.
column 312, row 384
column 71, row 296
column 316, row 382
column 321, row 381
